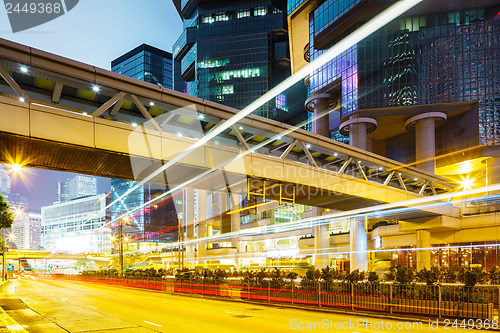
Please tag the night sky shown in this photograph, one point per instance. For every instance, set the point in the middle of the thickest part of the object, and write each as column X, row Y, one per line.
column 40, row 186
column 94, row 32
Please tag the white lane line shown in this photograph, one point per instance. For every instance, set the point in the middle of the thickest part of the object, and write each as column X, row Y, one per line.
column 148, row 322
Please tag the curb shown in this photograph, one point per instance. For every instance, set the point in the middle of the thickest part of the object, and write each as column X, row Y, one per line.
column 406, row 318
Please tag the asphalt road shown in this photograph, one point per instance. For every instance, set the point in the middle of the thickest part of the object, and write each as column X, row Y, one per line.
column 45, row 305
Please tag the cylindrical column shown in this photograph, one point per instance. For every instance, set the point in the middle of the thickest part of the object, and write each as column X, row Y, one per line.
column 202, row 225
column 358, row 244
column 425, row 144
column 321, row 241
column 320, row 104
column 358, row 129
column 188, row 216
column 357, row 135
column 423, row 252
column 235, row 223
column 321, row 125
column 425, row 138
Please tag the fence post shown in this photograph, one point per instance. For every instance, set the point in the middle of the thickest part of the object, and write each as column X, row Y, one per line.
column 390, row 298
column 439, row 302
column 319, row 294
column 352, row 296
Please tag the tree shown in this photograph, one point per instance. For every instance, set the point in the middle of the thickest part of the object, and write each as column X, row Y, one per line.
column 6, row 220
column 6, row 217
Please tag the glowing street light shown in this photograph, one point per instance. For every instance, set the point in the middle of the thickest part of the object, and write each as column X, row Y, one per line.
column 16, row 167
column 467, row 183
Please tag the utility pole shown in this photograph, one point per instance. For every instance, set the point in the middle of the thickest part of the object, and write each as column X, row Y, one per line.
column 3, row 256
column 121, row 248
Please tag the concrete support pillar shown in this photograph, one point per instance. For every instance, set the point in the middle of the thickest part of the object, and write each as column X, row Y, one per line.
column 320, row 104
column 188, row 217
column 493, row 170
column 425, row 141
column 321, row 241
column 423, row 256
column 358, row 129
column 359, row 244
column 357, row 135
column 202, row 226
column 235, row 222
column 321, row 125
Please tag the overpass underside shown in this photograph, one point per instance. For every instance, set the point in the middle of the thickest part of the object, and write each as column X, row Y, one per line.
column 62, row 115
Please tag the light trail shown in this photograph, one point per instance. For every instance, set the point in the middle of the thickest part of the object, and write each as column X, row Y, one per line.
column 354, row 38
column 357, row 213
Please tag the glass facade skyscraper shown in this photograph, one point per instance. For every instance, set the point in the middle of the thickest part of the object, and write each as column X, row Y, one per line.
column 157, row 224
column 427, row 57
column 233, row 53
column 146, row 63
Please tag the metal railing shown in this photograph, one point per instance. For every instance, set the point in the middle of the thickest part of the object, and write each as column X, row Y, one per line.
column 457, row 301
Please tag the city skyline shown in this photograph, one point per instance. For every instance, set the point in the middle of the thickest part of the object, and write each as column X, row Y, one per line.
column 90, row 33
column 40, row 186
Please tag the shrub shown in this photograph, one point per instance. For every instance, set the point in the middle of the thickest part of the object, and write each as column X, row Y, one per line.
column 373, row 277
column 494, row 274
column 355, row 276
column 470, row 278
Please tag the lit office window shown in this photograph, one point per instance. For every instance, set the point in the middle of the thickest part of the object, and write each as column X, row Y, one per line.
column 243, row 13
column 281, row 102
column 213, row 63
column 227, row 90
column 221, row 17
column 242, row 73
column 207, row 19
column 260, row 11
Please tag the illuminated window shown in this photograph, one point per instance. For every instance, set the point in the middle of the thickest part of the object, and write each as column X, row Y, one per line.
column 207, row 19
column 260, row 11
column 212, row 63
column 240, row 73
column 227, row 90
column 281, row 102
column 221, row 17
column 243, row 13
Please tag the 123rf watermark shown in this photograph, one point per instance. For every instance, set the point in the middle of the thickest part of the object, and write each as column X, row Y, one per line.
column 391, row 326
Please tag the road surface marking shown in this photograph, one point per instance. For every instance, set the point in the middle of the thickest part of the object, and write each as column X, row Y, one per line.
column 148, row 322
column 12, row 325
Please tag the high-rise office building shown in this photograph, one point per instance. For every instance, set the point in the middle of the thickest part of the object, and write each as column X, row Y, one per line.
column 152, row 65
column 77, row 187
column 437, row 53
column 157, row 223
column 234, row 52
column 146, row 63
column 422, row 90
column 4, row 182
column 62, row 191
column 82, row 186
column 72, row 226
column 26, row 230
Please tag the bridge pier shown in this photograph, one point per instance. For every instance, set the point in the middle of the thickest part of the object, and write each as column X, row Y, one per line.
column 188, row 216
column 235, row 224
column 358, row 244
column 423, row 256
column 202, row 227
column 321, row 241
